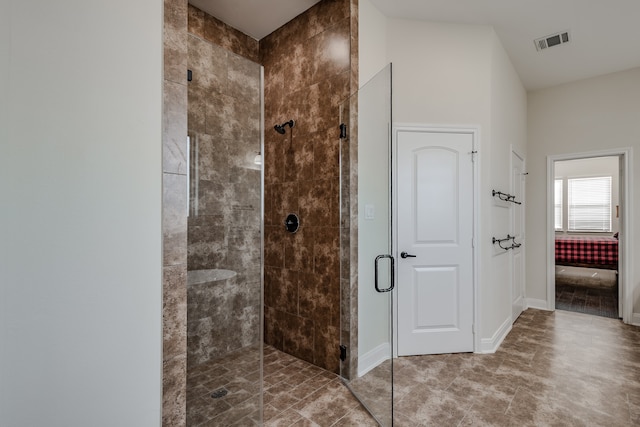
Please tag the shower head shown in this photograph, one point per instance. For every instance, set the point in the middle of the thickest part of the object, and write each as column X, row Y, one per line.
column 281, row 128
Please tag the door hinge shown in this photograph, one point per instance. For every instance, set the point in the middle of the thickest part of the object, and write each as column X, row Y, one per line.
column 473, row 328
column 473, row 155
column 343, row 352
column 343, row 131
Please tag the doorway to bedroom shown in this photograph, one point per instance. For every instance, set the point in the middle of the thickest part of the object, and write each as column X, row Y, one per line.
column 587, row 195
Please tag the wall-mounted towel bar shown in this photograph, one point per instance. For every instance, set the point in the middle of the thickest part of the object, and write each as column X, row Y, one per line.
column 506, row 248
column 505, row 197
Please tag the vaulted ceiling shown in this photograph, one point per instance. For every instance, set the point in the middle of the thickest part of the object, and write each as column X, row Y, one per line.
column 604, row 35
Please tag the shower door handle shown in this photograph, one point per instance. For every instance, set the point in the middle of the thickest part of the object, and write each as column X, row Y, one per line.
column 392, row 285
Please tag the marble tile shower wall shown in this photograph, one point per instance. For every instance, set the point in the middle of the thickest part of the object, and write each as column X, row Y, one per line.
column 224, row 116
column 307, row 76
column 213, row 30
column 349, row 214
column 174, row 215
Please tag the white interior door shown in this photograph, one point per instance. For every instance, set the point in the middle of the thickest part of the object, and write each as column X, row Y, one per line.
column 517, row 230
column 435, row 232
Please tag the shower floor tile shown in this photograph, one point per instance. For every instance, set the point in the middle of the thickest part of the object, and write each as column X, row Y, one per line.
column 295, row 393
column 301, row 394
column 225, row 391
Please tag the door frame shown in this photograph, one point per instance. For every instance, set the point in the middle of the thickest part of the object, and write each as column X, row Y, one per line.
column 474, row 131
column 625, row 252
column 523, row 283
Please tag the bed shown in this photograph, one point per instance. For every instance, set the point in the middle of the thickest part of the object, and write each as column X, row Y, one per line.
column 587, row 251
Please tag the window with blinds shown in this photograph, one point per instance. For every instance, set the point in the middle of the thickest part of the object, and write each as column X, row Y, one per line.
column 589, row 203
column 557, row 196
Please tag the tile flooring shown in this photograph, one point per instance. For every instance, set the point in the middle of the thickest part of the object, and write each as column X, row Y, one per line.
column 587, row 290
column 582, row 299
column 238, row 377
column 554, row 368
column 296, row 393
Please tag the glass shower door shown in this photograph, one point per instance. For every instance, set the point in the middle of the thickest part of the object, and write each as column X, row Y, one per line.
column 367, row 341
column 224, row 238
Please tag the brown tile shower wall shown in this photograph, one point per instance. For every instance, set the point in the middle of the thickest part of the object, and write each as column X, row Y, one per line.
column 349, row 217
column 213, row 30
column 174, row 215
column 224, row 226
column 307, row 76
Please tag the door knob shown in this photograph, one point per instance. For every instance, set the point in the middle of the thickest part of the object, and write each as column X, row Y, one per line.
column 406, row 255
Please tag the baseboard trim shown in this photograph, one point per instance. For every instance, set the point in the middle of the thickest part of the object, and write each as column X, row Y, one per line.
column 490, row 345
column 635, row 319
column 373, row 358
column 539, row 304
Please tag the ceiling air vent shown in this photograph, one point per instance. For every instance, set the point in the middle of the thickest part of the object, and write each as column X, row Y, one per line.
column 552, row 40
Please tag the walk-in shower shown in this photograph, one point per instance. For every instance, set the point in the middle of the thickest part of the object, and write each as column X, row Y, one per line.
column 305, row 311
column 224, row 247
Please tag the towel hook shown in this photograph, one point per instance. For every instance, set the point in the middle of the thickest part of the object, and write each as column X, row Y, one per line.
column 514, row 245
column 505, row 197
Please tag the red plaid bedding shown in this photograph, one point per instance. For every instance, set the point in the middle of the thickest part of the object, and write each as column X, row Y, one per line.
column 597, row 252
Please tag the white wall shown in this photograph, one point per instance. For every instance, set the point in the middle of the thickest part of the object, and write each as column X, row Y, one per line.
column 585, row 116
column 372, row 40
column 450, row 74
column 442, row 75
column 80, row 178
column 584, row 168
column 5, row 66
column 441, row 72
column 508, row 131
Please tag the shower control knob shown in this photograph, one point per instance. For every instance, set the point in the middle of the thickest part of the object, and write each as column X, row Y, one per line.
column 292, row 223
